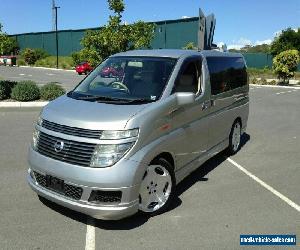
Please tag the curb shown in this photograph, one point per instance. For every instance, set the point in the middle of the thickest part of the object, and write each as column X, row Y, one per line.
column 22, row 104
column 275, row 86
column 42, row 104
column 69, row 70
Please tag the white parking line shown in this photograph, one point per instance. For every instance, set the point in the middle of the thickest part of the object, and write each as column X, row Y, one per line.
column 266, row 186
column 90, row 243
column 274, row 86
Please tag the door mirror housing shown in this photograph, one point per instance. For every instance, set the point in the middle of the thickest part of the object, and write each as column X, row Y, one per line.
column 185, row 98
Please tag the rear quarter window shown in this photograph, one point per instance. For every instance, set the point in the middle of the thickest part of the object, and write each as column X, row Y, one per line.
column 226, row 73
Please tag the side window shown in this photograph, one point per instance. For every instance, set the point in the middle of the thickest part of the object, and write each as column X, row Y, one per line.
column 188, row 78
column 238, row 73
column 226, row 73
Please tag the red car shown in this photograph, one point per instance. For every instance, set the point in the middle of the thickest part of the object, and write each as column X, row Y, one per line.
column 83, row 68
column 112, row 72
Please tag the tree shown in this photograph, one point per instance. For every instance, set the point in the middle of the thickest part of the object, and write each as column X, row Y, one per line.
column 262, row 48
column 7, row 44
column 285, row 64
column 190, row 46
column 114, row 37
column 289, row 39
column 29, row 56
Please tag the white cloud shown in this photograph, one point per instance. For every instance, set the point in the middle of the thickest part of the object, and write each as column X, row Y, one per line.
column 242, row 42
column 235, row 46
column 184, row 17
column 260, row 42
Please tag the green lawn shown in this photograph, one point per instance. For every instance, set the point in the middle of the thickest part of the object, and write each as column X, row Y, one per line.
column 64, row 62
column 266, row 73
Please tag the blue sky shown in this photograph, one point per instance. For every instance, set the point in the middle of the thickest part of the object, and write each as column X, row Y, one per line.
column 238, row 22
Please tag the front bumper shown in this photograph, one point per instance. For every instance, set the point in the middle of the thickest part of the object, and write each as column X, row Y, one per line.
column 124, row 176
column 98, row 211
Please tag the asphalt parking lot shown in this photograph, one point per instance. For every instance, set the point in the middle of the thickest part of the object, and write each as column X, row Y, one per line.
column 68, row 79
column 215, row 204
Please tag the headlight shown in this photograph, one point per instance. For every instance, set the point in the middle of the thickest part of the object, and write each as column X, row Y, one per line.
column 108, row 155
column 35, row 138
column 119, row 134
column 39, row 121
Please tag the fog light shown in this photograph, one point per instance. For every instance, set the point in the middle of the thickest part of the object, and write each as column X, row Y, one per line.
column 35, row 138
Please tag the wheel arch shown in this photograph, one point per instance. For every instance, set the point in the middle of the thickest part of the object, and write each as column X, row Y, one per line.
column 167, row 156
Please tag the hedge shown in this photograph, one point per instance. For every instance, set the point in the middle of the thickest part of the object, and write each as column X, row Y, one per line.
column 25, row 91
column 51, row 91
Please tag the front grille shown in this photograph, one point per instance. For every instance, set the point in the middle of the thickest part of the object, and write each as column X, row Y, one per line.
column 100, row 196
column 95, row 134
column 69, row 190
column 41, row 179
column 72, row 191
column 77, row 153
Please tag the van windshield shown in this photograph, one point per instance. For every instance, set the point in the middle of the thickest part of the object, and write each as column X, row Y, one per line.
column 126, row 79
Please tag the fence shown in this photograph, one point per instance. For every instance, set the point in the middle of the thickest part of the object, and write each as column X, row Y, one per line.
column 168, row 34
column 173, row 34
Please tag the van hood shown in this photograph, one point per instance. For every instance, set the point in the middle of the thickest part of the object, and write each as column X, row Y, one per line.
column 90, row 115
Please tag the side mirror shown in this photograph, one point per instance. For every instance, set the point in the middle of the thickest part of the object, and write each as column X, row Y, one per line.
column 185, row 98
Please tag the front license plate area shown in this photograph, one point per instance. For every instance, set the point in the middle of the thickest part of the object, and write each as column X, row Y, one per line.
column 55, row 183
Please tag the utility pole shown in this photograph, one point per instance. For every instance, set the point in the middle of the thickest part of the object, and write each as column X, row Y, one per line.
column 56, row 35
column 53, row 15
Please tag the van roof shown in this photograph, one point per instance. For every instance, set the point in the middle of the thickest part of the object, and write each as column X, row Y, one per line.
column 176, row 53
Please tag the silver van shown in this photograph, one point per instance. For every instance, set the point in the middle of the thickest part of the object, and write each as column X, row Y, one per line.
column 135, row 127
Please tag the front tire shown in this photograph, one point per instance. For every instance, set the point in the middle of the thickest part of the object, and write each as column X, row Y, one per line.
column 235, row 138
column 157, row 187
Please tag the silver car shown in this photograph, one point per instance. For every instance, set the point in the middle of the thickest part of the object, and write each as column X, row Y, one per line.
column 120, row 143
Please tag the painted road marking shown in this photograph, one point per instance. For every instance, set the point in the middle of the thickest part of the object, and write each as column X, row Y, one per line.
column 274, row 86
column 49, row 74
column 266, row 186
column 21, row 74
column 90, row 243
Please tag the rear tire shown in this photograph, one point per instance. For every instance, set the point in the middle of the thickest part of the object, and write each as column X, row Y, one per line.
column 157, row 189
column 79, row 73
column 234, row 138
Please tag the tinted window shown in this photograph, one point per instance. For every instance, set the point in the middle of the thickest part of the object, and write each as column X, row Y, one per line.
column 226, row 73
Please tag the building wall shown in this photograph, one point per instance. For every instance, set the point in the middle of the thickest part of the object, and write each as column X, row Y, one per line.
column 170, row 34
column 173, row 34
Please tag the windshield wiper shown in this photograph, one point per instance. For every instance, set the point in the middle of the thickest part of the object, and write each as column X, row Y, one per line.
column 141, row 100
column 113, row 99
column 100, row 98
